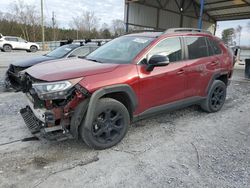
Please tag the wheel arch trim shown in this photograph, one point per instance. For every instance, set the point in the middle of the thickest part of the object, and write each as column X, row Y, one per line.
column 100, row 93
column 214, row 77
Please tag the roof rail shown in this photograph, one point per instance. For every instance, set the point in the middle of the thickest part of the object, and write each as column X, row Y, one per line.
column 172, row 30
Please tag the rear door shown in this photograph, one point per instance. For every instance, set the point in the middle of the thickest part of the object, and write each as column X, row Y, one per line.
column 202, row 64
column 13, row 41
column 164, row 84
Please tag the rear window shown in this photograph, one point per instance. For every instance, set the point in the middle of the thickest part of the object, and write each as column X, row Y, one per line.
column 197, row 47
column 214, row 47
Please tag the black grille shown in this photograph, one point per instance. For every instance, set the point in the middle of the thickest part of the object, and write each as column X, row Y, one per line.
column 31, row 121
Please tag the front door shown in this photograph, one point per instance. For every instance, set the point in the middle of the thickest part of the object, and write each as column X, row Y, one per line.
column 164, row 84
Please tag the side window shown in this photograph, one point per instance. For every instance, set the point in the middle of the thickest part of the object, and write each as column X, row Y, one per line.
column 197, row 47
column 170, row 47
column 83, row 51
column 21, row 40
column 210, row 49
column 215, row 46
column 11, row 39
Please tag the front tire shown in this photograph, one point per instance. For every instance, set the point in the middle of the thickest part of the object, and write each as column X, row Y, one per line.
column 216, row 97
column 109, row 126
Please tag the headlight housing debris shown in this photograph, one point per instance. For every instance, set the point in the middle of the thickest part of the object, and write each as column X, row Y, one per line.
column 54, row 90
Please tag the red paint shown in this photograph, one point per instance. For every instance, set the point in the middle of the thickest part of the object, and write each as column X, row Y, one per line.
column 163, row 85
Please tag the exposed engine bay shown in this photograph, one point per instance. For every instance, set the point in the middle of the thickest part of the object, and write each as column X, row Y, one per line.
column 50, row 106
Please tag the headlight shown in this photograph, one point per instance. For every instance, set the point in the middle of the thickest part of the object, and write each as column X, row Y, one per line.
column 54, row 90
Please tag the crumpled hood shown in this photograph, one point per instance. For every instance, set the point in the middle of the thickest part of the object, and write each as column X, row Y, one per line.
column 65, row 69
column 32, row 61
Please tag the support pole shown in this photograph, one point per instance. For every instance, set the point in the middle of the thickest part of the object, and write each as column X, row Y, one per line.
column 215, row 27
column 54, row 25
column 42, row 25
column 127, row 15
column 201, row 14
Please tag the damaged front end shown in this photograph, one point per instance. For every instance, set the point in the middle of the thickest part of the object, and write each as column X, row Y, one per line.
column 12, row 77
column 51, row 106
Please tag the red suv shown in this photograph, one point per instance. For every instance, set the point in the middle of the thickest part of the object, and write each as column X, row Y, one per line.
column 127, row 79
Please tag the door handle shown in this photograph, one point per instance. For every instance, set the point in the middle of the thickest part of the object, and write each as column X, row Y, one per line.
column 214, row 63
column 180, row 72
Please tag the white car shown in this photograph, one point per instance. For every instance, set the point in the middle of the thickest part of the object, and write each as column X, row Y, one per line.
column 7, row 43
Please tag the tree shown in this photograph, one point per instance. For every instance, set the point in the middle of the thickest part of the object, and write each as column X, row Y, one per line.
column 105, row 34
column 86, row 24
column 105, row 31
column 26, row 15
column 228, row 36
column 118, row 27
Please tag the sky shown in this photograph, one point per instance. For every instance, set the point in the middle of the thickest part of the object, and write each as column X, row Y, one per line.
column 245, row 35
column 106, row 11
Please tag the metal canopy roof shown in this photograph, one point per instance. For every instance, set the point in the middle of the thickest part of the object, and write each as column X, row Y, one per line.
column 220, row 10
column 165, row 14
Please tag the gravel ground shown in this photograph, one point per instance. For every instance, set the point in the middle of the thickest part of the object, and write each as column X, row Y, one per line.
column 184, row 148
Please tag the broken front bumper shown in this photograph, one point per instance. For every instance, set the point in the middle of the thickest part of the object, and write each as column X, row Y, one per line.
column 41, row 129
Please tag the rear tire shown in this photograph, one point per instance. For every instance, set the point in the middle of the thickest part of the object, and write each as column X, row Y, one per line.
column 216, row 97
column 7, row 48
column 110, row 125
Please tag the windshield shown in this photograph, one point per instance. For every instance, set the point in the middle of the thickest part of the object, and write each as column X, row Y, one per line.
column 121, row 50
column 61, row 51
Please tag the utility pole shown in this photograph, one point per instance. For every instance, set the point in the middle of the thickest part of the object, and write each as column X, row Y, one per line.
column 53, row 25
column 42, row 24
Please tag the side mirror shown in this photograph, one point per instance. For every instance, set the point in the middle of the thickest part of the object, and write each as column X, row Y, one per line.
column 26, row 41
column 157, row 61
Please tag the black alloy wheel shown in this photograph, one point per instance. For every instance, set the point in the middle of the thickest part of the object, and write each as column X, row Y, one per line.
column 216, row 97
column 110, row 124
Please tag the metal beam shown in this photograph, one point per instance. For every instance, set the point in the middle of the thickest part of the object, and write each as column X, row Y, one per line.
column 246, row 2
column 217, row 2
column 232, row 15
column 226, row 7
column 239, row 17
